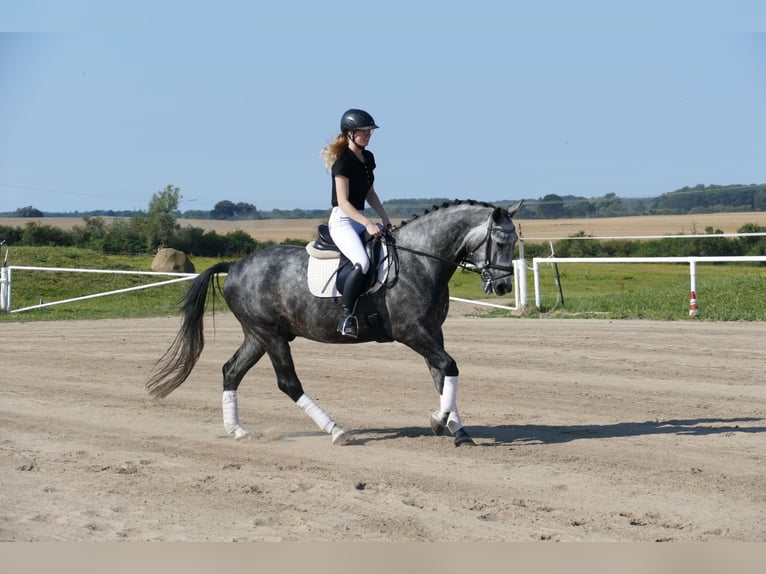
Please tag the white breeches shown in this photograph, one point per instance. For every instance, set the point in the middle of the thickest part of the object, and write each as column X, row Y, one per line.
column 345, row 233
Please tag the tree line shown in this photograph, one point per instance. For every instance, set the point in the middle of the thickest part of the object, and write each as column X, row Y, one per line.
column 133, row 236
column 697, row 199
column 145, row 232
column 687, row 200
column 142, row 232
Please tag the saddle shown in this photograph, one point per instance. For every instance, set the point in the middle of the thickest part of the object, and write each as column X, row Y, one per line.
column 328, row 267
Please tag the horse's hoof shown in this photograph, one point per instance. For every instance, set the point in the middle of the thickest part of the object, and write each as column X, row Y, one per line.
column 339, row 436
column 462, row 437
column 439, row 422
column 241, row 434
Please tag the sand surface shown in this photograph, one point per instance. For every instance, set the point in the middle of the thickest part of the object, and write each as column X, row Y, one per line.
column 585, row 430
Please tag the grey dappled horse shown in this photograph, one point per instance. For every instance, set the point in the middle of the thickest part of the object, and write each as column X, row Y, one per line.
column 268, row 293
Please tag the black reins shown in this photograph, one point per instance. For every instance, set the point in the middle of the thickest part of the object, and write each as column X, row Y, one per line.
column 471, row 265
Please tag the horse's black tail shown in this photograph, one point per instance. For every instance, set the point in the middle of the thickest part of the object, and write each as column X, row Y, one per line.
column 177, row 363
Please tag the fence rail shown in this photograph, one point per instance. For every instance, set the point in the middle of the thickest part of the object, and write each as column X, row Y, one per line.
column 7, row 272
column 7, row 276
column 691, row 261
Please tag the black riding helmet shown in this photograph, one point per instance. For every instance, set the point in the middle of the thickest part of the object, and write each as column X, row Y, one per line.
column 355, row 119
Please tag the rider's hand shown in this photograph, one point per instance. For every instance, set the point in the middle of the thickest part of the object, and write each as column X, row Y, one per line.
column 373, row 229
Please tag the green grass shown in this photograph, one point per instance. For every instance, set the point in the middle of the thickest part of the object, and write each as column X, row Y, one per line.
column 725, row 292
column 29, row 287
column 732, row 292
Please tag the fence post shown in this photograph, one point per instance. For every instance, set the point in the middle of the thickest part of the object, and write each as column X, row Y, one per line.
column 536, row 275
column 520, row 270
column 693, row 273
column 5, row 289
column 694, row 309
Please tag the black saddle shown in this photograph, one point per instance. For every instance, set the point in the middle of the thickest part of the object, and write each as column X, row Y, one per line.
column 373, row 246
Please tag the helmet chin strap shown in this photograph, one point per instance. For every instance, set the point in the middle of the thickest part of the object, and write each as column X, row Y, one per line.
column 351, row 137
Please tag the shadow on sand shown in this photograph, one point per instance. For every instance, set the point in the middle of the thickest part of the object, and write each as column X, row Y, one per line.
column 555, row 434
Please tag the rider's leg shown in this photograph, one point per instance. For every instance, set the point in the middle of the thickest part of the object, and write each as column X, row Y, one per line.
column 345, row 232
column 348, row 325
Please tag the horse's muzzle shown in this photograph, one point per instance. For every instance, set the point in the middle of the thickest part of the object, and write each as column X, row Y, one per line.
column 500, row 286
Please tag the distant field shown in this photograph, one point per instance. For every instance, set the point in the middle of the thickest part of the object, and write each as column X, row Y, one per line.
column 533, row 229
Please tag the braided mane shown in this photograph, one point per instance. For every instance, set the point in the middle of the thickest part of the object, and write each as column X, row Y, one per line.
column 445, row 205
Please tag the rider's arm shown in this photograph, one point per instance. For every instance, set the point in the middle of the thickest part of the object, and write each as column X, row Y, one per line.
column 374, row 201
column 341, row 193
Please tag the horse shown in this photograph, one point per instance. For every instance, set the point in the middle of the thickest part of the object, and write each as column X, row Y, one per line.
column 268, row 294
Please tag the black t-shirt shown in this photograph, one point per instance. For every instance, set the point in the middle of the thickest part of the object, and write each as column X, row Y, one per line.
column 359, row 174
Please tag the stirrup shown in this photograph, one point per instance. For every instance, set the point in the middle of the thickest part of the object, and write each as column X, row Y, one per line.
column 349, row 327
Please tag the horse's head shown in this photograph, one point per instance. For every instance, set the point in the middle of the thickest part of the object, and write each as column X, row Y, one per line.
column 493, row 256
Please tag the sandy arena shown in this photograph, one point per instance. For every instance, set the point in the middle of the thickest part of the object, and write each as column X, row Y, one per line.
column 586, row 430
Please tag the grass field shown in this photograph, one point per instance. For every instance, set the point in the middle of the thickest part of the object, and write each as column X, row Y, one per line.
column 616, row 291
column 648, row 291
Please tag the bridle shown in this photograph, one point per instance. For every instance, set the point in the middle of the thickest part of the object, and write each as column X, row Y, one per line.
column 468, row 262
column 484, row 270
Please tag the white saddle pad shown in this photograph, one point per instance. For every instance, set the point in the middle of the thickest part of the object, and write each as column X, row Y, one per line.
column 322, row 274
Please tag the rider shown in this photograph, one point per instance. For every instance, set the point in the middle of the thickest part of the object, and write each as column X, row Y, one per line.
column 351, row 166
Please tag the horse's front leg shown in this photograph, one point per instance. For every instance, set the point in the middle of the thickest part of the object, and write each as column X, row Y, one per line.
column 448, row 415
column 445, row 373
column 288, row 382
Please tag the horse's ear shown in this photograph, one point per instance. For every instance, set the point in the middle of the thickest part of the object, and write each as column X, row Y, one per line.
column 497, row 214
column 514, row 208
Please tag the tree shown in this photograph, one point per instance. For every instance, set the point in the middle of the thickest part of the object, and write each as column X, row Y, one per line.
column 28, row 211
column 246, row 211
column 229, row 210
column 224, row 210
column 609, row 206
column 551, row 207
column 160, row 220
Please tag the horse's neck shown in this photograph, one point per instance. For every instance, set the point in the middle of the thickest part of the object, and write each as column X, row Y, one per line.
column 442, row 238
column 445, row 234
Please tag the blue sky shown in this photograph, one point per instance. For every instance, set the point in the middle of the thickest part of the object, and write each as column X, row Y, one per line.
column 104, row 104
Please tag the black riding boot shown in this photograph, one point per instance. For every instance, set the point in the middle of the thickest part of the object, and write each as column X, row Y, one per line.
column 348, row 325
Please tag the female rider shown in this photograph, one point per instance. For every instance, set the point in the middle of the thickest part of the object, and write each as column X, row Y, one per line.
column 351, row 166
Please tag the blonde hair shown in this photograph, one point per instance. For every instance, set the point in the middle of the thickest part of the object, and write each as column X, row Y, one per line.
column 331, row 152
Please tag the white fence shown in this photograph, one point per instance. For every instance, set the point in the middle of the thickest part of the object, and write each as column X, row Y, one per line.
column 520, row 271
column 519, row 290
column 692, row 261
column 7, row 273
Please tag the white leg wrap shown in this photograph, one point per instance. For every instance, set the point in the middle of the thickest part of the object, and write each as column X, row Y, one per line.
column 448, row 401
column 454, row 423
column 230, row 414
column 321, row 418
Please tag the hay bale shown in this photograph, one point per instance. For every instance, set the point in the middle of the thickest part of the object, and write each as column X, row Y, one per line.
column 172, row 260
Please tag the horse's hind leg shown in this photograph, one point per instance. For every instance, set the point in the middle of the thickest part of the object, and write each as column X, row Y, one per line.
column 288, row 382
column 248, row 354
